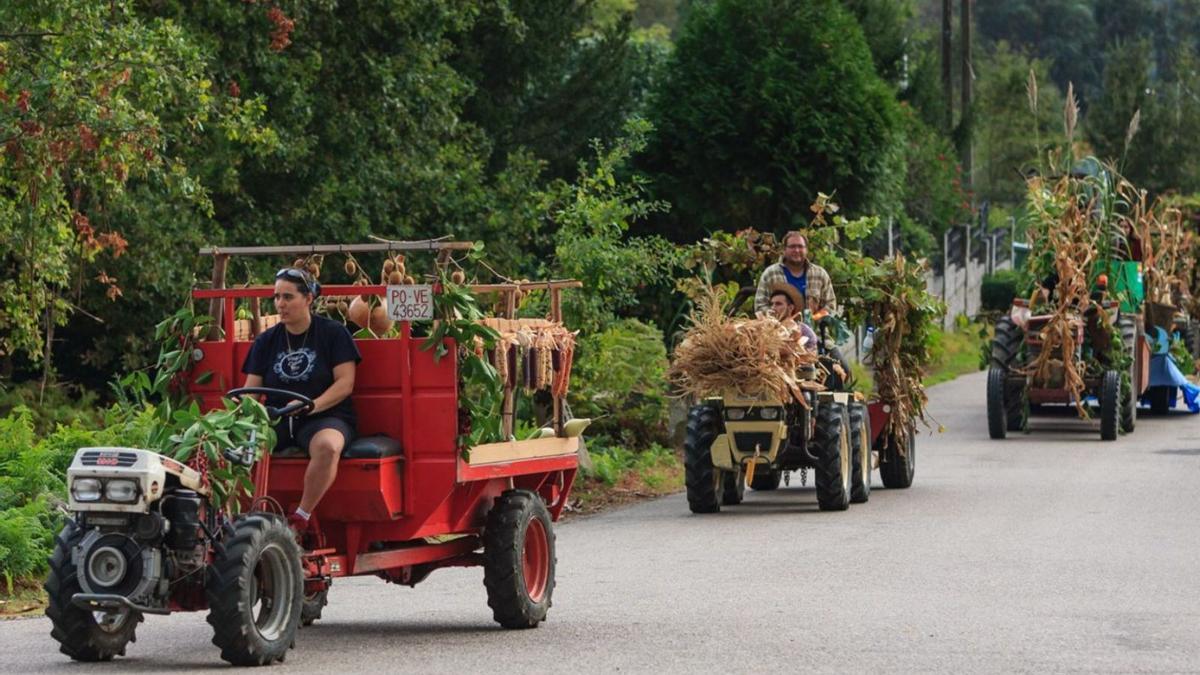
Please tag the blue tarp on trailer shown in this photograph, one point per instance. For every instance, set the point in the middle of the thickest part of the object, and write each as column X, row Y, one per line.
column 1164, row 372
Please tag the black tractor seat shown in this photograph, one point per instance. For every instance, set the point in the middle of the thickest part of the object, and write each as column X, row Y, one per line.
column 366, row 447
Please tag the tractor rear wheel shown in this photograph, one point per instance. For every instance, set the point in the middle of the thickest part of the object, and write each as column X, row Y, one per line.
column 997, row 415
column 1160, row 399
column 832, row 450
column 519, row 559
column 1129, row 397
column 733, row 485
column 1189, row 335
column 766, row 480
column 1110, row 399
column 860, row 442
column 81, row 634
column 1006, row 343
column 255, row 590
column 1006, row 350
column 899, row 461
column 700, row 476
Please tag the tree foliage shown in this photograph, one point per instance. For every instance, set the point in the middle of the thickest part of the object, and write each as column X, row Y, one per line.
column 82, row 119
column 765, row 103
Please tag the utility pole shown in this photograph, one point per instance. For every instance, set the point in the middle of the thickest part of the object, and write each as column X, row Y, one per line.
column 965, row 121
column 947, row 85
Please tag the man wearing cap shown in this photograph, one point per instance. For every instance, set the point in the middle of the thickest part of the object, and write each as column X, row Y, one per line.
column 810, row 281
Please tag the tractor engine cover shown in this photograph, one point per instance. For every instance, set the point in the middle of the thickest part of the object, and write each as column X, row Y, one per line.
column 115, row 564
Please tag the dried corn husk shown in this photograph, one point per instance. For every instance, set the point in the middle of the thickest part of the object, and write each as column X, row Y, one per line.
column 752, row 357
column 1064, row 220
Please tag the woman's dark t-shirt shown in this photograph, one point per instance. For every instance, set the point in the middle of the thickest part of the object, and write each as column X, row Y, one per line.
column 303, row 363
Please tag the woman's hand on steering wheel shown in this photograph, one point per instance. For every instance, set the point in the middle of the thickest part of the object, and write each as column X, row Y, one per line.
column 299, row 405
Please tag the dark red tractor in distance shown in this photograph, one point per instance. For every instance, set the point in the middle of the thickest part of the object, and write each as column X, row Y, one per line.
column 144, row 537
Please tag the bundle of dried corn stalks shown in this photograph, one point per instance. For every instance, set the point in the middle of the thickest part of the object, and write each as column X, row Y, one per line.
column 902, row 318
column 1166, row 244
column 1063, row 221
column 752, row 357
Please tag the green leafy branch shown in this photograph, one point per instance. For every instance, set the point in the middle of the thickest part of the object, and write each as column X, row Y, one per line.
column 481, row 394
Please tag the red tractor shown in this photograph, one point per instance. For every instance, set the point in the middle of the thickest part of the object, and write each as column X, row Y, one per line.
column 144, row 537
column 1013, row 392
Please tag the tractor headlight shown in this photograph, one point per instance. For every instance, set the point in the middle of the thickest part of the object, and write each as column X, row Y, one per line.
column 86, row 490
column 735, row 413
column 121, row 490
column 768, row 413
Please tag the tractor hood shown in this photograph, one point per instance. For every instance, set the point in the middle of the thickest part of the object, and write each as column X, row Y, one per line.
column 123, row 479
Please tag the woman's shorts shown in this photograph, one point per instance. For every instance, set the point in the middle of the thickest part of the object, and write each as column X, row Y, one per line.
column 301, row 430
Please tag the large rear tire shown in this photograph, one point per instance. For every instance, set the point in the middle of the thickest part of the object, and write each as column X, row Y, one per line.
column 1006, row 343
column 899, row 461
column 996, row 412
column 79, row 634
column 1006, row 351
column 1160, row 399
column 1110, row 403
column 860, row 441
column 700, row 476
column 519, row 559
column 832, row 450
column 255, row 590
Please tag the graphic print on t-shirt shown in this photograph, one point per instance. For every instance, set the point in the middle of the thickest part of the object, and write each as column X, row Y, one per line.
column 296, row 365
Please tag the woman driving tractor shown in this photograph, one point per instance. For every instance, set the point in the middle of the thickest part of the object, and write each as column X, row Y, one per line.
column 314, row 357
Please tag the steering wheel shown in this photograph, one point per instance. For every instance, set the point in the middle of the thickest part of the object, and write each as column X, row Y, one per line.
column 301, row 406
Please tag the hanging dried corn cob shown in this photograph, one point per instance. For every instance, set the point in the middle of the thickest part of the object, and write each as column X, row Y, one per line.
column 544, row 347
column 565, row 349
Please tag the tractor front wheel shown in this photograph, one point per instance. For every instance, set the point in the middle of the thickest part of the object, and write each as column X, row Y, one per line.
column 255, row 590
column 314, row 604
column 81, row 634
column 766, row 479
column 700, row 476
column 832, row 450
column 733, row 487
column 860, row 441
column 1110, row 404
column 519, row 559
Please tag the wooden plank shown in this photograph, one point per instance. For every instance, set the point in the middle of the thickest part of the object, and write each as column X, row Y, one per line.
column 526, row 286
column 299, row 249
column 216, row 305
column 255, row 317
column 556, row 304
column 509, row 451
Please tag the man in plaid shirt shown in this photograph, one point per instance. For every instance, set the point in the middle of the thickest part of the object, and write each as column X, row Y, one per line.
column 794, row 268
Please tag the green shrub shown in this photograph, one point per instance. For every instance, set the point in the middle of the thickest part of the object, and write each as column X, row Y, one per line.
column 609, row 463
column 58, row 404
column 26, row 539
column 33, row 473
column 998, row 290
column 619, row 382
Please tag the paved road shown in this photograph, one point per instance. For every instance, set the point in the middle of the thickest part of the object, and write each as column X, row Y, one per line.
column 1048, row 552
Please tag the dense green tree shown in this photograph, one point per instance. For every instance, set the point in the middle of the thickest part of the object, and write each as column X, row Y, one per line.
column 1010, row 140
column 1165, row 153
column 365, row 111
column 548, row 77
column 84, row 122
column 888, row 28
column 1061, row 32
column 767, row 102
column 1126, row 82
